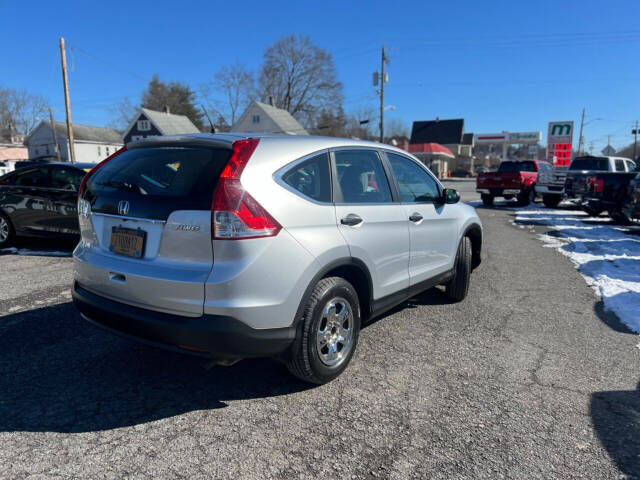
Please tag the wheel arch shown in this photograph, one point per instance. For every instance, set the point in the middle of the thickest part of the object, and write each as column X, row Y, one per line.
column 474, row 232
column 351, row 269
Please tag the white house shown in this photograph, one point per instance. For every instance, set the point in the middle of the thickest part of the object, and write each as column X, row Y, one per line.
column 150, row 123
column 92, row 144
column 262, row 118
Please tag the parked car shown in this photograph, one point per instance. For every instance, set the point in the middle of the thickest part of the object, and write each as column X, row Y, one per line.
column 609, row 191
column 482, row 169
column 40, row 200
column 272, row 245
column 631, row 205
column 582, row 168
column 513, row 179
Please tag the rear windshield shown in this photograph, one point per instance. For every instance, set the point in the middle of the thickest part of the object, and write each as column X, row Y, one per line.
column 515, row 167
column 163, row 173
column 590, row 163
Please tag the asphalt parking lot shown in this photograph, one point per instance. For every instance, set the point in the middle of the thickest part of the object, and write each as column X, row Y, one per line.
column 529, row 377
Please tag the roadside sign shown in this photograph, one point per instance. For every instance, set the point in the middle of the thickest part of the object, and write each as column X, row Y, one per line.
column 559, row 142
column 509, row 137
column 491, row 137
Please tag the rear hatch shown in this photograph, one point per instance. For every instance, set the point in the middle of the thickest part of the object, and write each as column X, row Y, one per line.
column 145, row 219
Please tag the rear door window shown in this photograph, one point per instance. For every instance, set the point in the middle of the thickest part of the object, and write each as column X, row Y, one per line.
column 32, row 178
column 361, row 177
column 619, row 165
column 311, row 178
column 65, row 178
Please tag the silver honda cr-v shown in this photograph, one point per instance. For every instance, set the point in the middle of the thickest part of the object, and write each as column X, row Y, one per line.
column 236, row 246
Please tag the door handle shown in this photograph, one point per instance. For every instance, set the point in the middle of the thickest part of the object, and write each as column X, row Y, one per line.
column 415, row 217
column 352, row 220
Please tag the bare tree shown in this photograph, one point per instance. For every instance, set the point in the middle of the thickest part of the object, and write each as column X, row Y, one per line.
column 396, row 128
column 301, row 78
column 361, row 123
column 230, row 91
column 21, row 110
column 123, row 112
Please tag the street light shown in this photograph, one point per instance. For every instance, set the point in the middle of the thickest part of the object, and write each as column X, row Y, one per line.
column 582, row 125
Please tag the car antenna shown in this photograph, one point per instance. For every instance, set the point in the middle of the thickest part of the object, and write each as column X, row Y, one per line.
column 213, row 129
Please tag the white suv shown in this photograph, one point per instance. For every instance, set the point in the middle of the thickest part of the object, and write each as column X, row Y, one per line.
column 236, row 246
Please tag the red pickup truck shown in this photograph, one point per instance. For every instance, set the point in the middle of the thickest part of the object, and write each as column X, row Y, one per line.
column 513, row 179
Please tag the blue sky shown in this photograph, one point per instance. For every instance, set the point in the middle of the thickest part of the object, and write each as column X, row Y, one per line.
column 500, row 65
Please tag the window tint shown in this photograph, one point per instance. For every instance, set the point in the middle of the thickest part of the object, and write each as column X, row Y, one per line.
column 162, row 172
column 514, row 167
column 619, row 165
column 361, row 177
column 414, row 183
column 66, row 178
column 590, row 163
column 311, row 178
column 32, row 178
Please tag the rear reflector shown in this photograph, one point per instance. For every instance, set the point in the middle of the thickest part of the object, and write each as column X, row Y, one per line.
column 236, row 215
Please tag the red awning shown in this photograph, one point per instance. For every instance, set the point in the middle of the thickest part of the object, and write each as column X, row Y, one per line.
column 430, row 148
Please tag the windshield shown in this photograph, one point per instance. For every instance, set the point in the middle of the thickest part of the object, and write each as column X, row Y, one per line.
column 515, row 167
column 590, row 163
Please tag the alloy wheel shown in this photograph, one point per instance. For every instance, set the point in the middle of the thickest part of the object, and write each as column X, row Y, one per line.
column 334, row 338
column 4, row 230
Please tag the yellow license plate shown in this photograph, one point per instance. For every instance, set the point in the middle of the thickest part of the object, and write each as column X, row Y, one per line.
column 127, row 241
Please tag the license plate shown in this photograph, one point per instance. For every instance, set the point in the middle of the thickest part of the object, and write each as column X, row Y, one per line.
column 511, row 192
column 127, row 241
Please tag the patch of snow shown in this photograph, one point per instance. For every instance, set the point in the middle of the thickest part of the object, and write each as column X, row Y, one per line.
column 607, row 258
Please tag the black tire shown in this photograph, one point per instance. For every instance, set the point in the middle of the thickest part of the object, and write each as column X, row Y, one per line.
column 508, row 197
column 620, row 217
column 8, row 233
column 526, row 197
column 487, row 199
column 304, row 359
column 592, row 212
column 458, row 286
column 551, row 200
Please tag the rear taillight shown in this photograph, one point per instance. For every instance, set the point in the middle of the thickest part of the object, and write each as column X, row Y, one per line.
column 83, row 184
column 596, row 183
column 236, row 215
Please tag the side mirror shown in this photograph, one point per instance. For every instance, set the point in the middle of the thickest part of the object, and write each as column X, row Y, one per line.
column 449, row 195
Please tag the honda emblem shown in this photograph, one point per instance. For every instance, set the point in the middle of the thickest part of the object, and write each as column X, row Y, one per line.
column 123, row 207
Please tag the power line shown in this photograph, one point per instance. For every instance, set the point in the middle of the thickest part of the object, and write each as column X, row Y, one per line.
column 108, row 63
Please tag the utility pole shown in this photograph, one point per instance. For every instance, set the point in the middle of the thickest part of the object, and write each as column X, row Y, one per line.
column 55, row 135
column 580, row 139
column 67, row 102
column 382, row 80
column 635, row 132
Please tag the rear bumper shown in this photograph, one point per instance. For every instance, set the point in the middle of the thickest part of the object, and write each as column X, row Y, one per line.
column 553, row 189
column 217, row 335
column 498, row 192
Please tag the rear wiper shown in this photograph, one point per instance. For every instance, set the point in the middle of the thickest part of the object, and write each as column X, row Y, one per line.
column 121, row 185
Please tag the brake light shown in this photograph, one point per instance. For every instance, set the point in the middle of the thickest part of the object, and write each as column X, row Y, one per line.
column 83, row 184
column 236, row 215
column 596, row 183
